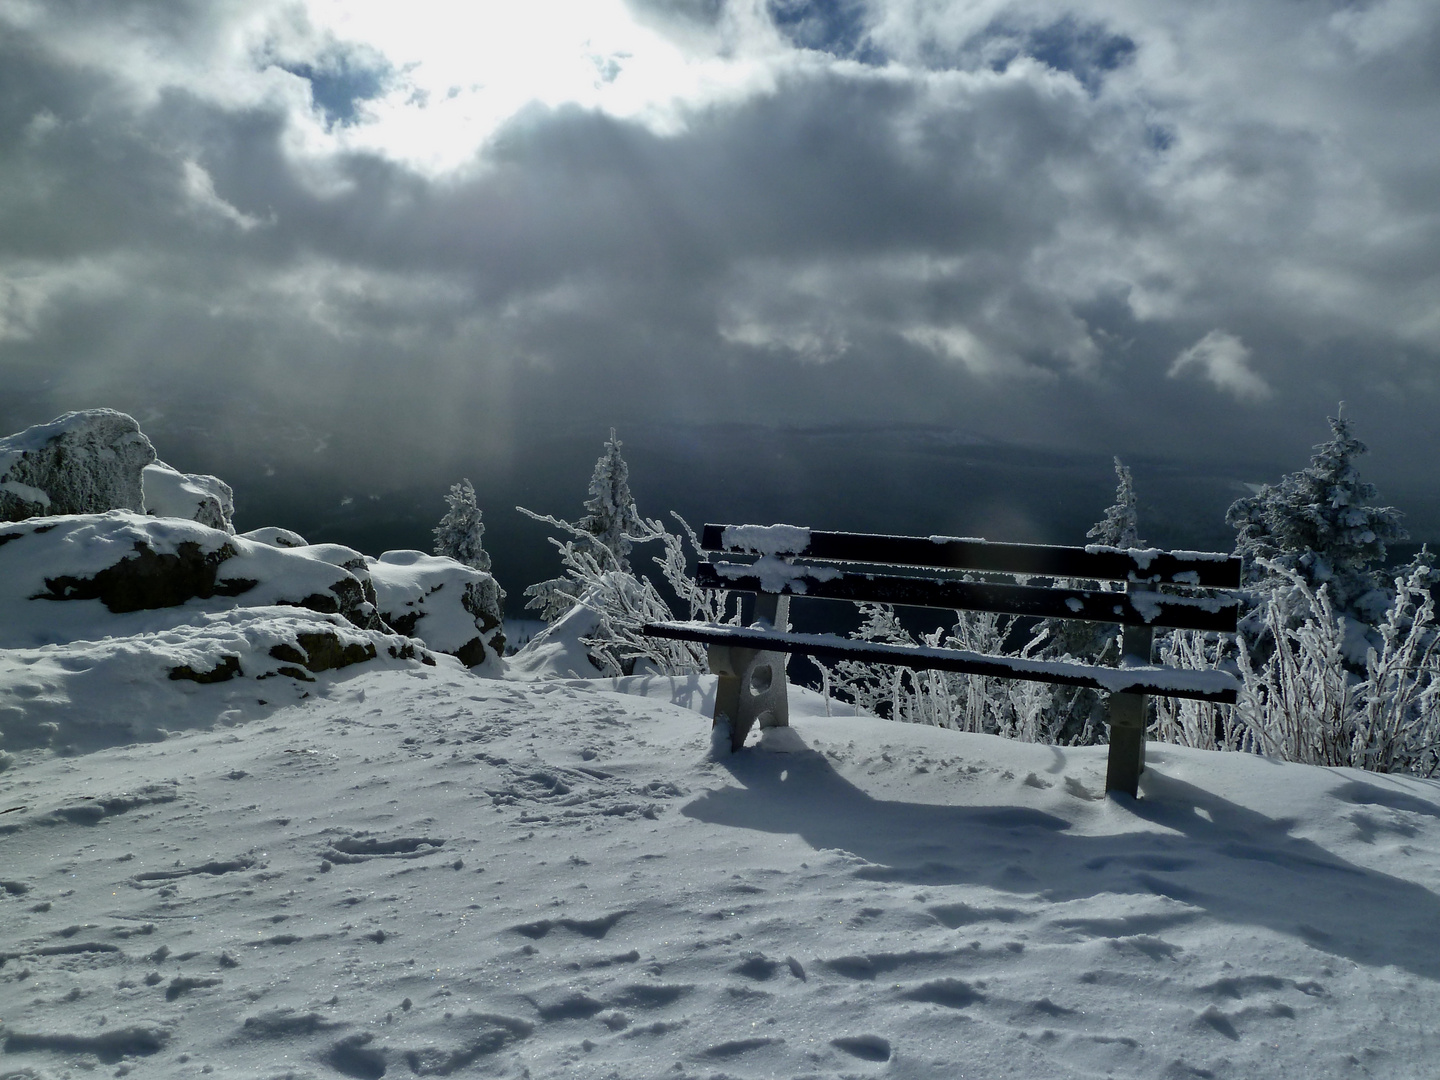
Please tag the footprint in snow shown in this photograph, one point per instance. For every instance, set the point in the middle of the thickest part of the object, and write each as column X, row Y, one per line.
column 951, row 993
column 591, row 928
column 214, row 868
column 1153, row 947
column 353, row 849
column 1242, row 986
column 865, row 1047
column 736, row 1047
column 109, row 1046
column 955, row 916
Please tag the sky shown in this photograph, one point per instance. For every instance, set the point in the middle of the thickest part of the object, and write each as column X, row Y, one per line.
column 370, row 246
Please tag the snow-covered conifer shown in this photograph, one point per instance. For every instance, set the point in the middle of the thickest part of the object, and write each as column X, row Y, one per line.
column 606, row 532
column 461, row 531
column 1320, row 522
column 1119, row 528
column 611, row 517
column 460, row 536
column 1080, row 711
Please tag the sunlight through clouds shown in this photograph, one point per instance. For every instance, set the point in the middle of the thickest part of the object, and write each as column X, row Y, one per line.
column 462, row 70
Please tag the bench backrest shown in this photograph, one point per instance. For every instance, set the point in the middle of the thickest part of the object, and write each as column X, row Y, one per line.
column 775, row 571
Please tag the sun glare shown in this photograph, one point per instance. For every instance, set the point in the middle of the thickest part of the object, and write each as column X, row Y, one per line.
column 462, row 69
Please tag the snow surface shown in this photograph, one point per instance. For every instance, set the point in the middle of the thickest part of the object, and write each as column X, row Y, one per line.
column 417, row 871
column 558, row 650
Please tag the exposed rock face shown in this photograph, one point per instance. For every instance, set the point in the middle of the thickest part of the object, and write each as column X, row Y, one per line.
column 193, row 496
column 80, row 463
column 446, row 604
column 147, row 579
column 150, row 573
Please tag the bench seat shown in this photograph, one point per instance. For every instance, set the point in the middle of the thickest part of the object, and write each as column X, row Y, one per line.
column 1217, row 686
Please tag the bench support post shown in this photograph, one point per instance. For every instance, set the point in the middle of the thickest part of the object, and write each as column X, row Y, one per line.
column 1128, row 718
column 751, row 682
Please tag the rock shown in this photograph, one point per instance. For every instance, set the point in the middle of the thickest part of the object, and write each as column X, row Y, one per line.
column 97, row 575
column 446, row 604
column 80, row 463
column 193, row 496
column 226, row 669
column 358, row 565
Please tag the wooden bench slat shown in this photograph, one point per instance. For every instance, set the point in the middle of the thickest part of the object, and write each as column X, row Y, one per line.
column 1211, row 685
column 1205, row 569
column 1217, row 614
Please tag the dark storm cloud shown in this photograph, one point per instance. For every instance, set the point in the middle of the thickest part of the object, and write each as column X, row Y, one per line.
column 1086, row 226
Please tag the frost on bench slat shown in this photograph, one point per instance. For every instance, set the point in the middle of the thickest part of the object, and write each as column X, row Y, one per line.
column 1135, row 608
column 1210, row 685
column 1142, row 565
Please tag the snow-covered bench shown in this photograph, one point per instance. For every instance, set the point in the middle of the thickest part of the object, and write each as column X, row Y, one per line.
column 777, row 562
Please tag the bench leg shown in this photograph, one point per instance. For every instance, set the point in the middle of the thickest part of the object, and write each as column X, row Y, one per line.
column 1128, row 715
column 750, row 688
column 1127, row 743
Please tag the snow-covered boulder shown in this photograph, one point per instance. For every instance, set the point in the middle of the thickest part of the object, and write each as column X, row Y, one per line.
column 86, row 577
column 80, row 463
column 276, row 537
column 446, row 604
column 220, row 667
column 193, row 496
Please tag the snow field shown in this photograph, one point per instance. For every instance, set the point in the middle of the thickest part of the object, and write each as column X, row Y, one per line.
column 419, row 872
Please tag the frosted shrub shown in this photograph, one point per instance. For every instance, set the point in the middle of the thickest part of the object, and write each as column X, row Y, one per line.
column 1204, row 725
column 623, row 602
column 1009, row 707
column 1302, row 704
column 1399, row 728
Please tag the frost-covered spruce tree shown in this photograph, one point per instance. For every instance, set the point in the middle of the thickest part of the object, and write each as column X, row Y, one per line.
column 461, row 532
column 606, row 533
column 611, row 517
column 1120, row 526
column 1079, row 711
column 460, row 536
column 1322, row 524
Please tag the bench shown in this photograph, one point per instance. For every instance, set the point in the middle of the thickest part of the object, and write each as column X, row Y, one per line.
column 780, row 562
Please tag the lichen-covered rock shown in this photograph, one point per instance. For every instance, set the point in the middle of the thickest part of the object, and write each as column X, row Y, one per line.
column 80, row 463
column 446, row 604
column 72, row 577
column 193, row 496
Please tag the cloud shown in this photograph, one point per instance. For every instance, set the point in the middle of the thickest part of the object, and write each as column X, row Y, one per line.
column 199, row 187
column 1224, row 361
column 892, row 210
